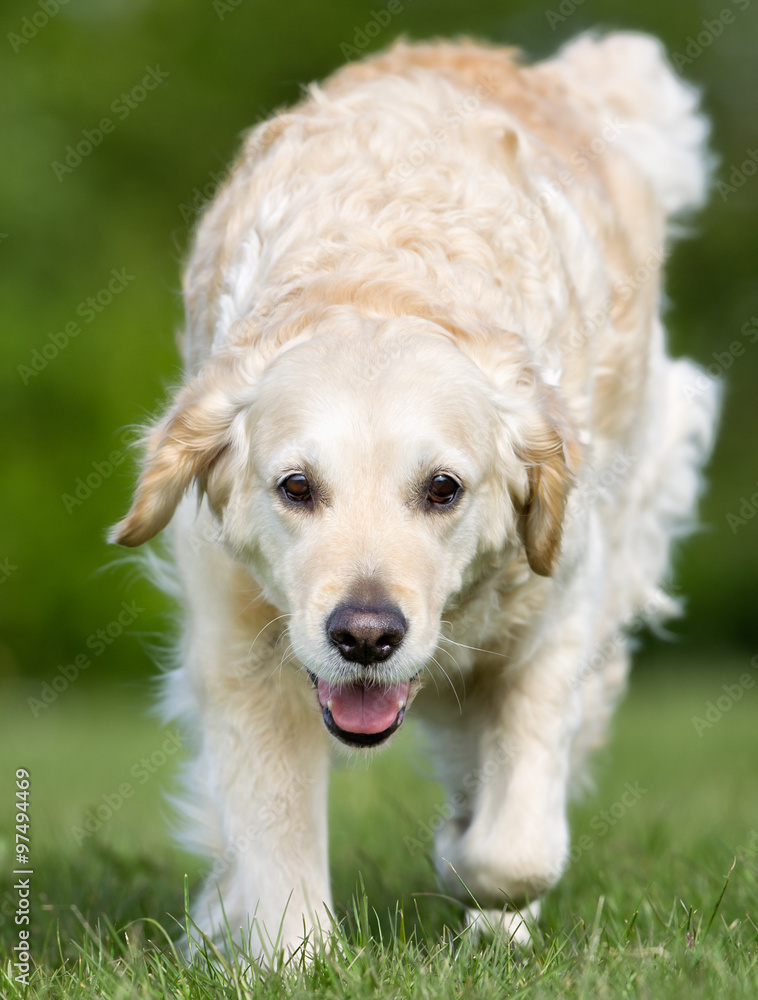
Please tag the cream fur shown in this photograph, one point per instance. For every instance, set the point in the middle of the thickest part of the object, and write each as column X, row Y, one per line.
column 441, row 259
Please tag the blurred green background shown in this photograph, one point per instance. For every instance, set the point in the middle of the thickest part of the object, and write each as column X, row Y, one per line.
column 129, row 206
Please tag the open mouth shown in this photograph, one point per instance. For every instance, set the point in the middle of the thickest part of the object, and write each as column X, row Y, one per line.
column 361, row 714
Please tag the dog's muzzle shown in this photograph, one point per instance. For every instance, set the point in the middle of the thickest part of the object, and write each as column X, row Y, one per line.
column 366, row 630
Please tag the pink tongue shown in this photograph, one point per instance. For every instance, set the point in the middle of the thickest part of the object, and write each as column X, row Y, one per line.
column 359, row 708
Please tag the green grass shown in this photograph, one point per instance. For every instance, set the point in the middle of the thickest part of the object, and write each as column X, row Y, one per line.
column 644, row 909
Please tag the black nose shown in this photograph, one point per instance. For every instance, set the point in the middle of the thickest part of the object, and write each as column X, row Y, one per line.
column 366, row 635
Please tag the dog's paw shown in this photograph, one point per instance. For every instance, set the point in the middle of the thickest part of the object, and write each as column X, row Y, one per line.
column 506, row 863
column 514, row 926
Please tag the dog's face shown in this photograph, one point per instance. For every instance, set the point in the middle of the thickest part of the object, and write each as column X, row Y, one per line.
column 365, row 479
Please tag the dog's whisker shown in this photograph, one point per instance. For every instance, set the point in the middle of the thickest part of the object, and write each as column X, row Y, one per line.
column 434, row 679
column 287, row 655
column 255, row 599
column 437, row 663
column 280, row 637
column 457, row 666
column 260, row 633
column 476, row 649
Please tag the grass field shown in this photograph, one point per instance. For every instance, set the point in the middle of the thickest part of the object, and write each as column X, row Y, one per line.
column 642, row 910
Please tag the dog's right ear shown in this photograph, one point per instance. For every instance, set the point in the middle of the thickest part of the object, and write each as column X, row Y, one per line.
column 180, row 451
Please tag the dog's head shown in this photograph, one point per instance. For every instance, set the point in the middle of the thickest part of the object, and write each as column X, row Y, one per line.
column 365, row 476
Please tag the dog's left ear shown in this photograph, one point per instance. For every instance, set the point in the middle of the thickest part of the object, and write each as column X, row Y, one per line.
column 180, row 451
column 550, row 453
column 537, row 434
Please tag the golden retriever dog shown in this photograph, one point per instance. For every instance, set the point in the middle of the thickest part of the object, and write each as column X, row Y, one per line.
column 428, row 458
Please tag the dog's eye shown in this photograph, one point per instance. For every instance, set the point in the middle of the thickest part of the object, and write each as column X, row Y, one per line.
column 296, row 488
column 442, row 490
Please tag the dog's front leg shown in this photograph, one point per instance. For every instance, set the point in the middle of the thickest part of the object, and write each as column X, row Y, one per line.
column 265, row 763
column 515, row 843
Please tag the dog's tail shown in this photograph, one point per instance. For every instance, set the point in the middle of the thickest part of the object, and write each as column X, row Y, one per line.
column 627, row 77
